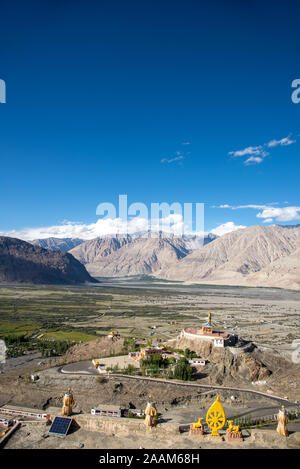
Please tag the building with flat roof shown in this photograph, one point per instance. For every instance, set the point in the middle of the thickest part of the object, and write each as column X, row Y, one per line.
column 148, row 351
column 23, row 412
column 197, row 361
column 107, row 411
column 207, row 333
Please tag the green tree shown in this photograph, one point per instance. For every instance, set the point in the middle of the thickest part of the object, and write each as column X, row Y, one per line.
column 183, row 370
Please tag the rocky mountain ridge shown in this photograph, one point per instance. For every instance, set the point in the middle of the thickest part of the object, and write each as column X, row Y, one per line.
column 253, row 256
column 57, row 244
column 22, row 262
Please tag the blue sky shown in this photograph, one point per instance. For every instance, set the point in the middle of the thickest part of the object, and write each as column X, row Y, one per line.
column 103, row 97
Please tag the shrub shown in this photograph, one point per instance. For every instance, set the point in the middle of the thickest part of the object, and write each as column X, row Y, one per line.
column 100, row 379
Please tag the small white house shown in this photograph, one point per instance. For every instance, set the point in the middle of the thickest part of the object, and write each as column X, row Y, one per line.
column 197, row 362
column 219, row 342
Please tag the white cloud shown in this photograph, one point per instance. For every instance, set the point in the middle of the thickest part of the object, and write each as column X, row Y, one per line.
column 258, row 150
column 236, row 207
column 172, row 224
column 226, row 228
column 179, row 155
column 283, row 142
column 171, row 160
column 109, row 226
column 258, row 153
column 280, row 214
column 269, row 213
column 78, row 230
column 254, row 160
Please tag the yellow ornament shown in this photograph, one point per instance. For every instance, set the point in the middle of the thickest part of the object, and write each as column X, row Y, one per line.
column 215, row 417
column 198, row 424
column 232, row 428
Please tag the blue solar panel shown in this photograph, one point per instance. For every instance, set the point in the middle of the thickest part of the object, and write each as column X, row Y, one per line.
column 60, row 426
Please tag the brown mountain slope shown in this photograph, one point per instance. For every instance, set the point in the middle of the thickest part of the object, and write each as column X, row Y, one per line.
column 95, row 249
column 257, row 255
column 284, row 272
column 140, row 256
column 21, row 262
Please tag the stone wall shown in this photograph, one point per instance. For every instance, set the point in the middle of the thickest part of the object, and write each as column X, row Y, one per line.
column 118, row 425
column 123, row 426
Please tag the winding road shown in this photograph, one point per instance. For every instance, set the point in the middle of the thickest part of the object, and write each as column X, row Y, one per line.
column 86, row 369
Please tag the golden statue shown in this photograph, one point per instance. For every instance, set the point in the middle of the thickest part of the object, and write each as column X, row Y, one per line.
column 283, row 420
column 198, row 424
column 233, row 432
column 151, row 415
column 68, row 402
column 232, row 428
column 196, row 428
column 215, row 417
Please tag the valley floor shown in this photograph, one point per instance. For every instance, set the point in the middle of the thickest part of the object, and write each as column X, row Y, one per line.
column 145, row 309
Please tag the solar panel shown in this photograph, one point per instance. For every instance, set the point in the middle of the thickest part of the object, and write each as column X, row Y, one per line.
column 60, row 426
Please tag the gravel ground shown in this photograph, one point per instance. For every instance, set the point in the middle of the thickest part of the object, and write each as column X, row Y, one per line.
column 31, row 436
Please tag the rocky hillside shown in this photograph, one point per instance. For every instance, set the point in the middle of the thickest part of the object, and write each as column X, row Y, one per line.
column 98, row 248
column 101, row 347
column 135, row 255
column 21, row 262
column 57, row 244
column 254, row 256
column 231, row 364
column 284, row 272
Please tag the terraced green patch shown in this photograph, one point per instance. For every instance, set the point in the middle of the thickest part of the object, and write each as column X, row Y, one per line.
column 71, row 336
column 17, row 329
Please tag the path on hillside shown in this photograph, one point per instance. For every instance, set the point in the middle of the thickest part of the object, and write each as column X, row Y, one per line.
column 279, row 399
column 207, row 386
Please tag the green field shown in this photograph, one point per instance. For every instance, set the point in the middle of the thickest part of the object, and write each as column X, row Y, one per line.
column 69, row 336
column 142, row 309
column 17, row 328
column 80, row 314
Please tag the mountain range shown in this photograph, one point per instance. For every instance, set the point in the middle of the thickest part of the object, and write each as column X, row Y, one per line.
column 135, row 255
column 57, row 244
column 254, row 256
column 131, row 256
column 22, row 262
